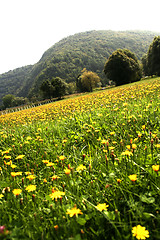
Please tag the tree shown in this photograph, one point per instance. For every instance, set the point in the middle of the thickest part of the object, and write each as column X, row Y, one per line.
column 152, row 64
column 122, row 67
column 87, row 81
column 47, row 89
column 7, row 100
column 59, row 87
column 54, row 88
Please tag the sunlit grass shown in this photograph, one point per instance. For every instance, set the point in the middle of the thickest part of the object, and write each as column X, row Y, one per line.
column 83, row 168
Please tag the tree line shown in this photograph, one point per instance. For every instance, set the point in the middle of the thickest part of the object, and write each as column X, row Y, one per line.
column 121, row 67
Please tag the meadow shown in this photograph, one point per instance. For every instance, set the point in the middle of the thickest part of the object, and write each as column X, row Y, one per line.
column 83, row 168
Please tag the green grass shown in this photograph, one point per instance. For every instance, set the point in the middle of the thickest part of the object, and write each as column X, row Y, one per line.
column 110, row 134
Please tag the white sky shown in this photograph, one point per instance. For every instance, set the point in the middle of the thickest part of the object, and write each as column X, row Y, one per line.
column 30, row 27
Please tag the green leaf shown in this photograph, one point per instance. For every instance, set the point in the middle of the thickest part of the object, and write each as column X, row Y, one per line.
column 81, row 221
column 146, row 199
column 148, row 215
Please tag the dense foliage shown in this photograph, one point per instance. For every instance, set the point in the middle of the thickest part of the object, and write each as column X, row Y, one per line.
column 122, row 67
column 56, row 87
column 88, row 81
column 84, row 168
column 69, row 56
column 151, row 61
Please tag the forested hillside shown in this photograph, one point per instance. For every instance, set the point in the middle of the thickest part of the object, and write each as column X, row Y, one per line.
column 69, row 56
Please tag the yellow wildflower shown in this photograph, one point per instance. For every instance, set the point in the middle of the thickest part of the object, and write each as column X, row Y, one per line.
column 140, row 232
column 20, row 156
column 31, row 177
column 133, row 177
column 74, row 211
column 31, row 188
column 67, row 171
column 80, row 168
column 56, row 194
column 155, row 168
column 62, row 157
column 102, row 206
column 17, row 191
column 1, row 196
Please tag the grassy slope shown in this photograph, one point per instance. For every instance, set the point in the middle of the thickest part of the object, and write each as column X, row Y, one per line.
column 112, row 134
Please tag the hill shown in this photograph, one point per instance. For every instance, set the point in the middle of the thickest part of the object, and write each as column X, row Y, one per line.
column 69, row 56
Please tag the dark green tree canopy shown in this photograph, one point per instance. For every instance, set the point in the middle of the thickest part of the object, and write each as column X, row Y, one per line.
column 122, row 67
column 56, row 87
column 151, row 62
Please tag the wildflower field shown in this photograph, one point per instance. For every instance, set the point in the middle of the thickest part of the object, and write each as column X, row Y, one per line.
column 83, row 168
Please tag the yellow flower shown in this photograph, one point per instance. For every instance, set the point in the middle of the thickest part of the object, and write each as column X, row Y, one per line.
column 27, row 173
column 112, row 133
column 50, row 164
column 62, row 157
column 140, row 232
column 13, row 166
column 45, row 161
column 74, row 211
column 54, row 177
column 31, row 177
column 31, row 188
column 56, row 194
column 80, row 168
column 20, row 156
column 127, row 153
column 14, row 174
column 155, row 168
column 157, row 145
column 28, row 138
column 7, row 157
column 133, row 177
column 17, row 191
column 143, row 127
column 134, row 146
column 9, row 163
column 119, row 180
column 102, row 206
column 67, row 171
column 104, row 141
column 1, row 196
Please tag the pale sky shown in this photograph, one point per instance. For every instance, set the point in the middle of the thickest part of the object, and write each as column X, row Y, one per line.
column 30, row 27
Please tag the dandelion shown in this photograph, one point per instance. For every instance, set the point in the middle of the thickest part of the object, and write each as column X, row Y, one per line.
column 112, row 133
column 20, row 157
column 45, row 161
column 62, row 157
column 133, row 177
column 30, row 177
column 74, row 212
column 27, row 173
column 102, row 206
column 119, row 180
column 16, row 192
column 50, row 164
column 67, row 171
column 157, row 145
column 56, row 194
column 155, row 168
column 1, row 196
column 81, row 168
column 140, row 232
column 127, row 153
column 134, row 146
column 31, row 188
column 55, row 177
